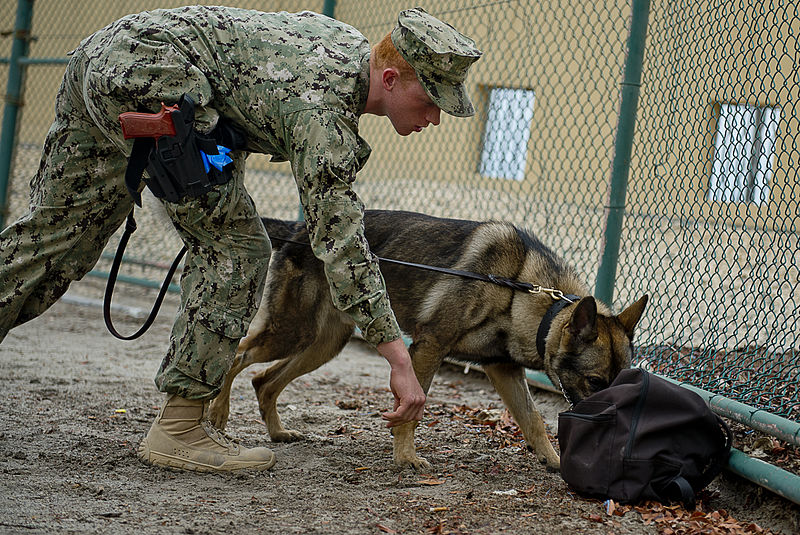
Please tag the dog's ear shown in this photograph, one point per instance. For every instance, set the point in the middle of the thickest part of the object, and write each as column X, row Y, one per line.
column 631, row 315
column 583, row 323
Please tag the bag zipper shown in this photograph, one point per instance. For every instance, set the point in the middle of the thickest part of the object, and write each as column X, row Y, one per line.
column 589, row 417
column 637, row 413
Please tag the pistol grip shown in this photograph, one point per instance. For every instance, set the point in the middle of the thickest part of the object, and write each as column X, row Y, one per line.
column 154, row 125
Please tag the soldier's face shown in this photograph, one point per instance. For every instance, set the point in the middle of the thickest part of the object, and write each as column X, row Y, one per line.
column 410, row 109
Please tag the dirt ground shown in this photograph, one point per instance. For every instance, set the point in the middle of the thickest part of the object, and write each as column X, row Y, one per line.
column 76, row 402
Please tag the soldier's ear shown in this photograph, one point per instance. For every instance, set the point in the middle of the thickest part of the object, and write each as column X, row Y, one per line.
column 390, row 78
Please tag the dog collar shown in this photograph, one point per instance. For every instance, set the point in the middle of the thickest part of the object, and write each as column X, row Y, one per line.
column 544, row 326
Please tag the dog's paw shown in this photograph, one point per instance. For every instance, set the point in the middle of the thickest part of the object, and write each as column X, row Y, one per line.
column 218, row 419
column 287, row 436
column 551, row 464
column 417, row 463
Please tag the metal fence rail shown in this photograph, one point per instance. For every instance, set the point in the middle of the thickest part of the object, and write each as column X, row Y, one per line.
column 710, row 226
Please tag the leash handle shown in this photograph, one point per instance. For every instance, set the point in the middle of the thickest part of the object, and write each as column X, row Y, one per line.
column 130, row 227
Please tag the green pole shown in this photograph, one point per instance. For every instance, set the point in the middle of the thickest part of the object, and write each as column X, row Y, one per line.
column 770, row 477
column 19, row 49
column 623, row 146
column 328, row 8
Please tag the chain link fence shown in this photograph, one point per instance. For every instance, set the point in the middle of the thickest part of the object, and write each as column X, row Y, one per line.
column 710, row 231
column 712, row 226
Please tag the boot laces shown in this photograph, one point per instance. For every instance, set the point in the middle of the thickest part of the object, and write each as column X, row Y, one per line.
column 220, row 437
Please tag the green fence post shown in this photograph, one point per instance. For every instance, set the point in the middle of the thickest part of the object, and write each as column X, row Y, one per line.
column 623, row 146
column 19, row 49
column 328, row 8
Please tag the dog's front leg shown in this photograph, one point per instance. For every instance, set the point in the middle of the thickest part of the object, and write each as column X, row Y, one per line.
column 405, row 453
column 426, row 356
column 509, row 381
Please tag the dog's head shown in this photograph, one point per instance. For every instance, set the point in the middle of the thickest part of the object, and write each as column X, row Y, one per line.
column 592, row 348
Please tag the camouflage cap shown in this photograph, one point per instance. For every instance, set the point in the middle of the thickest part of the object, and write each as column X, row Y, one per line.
column 440, row 56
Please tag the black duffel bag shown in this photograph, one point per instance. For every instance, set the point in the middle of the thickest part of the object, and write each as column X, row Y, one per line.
column 642, row 438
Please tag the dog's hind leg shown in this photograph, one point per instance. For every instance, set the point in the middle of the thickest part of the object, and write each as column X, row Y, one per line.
column 271, row 382
column 509, row 381
column 266, row 341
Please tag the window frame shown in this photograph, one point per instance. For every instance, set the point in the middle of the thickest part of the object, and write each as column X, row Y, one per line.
column 742, row 164
column 506, row 105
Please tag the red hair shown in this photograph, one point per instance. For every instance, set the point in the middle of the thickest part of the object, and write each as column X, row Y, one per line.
column 386, row 56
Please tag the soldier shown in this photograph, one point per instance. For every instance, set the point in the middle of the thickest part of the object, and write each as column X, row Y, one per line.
column 289, row 85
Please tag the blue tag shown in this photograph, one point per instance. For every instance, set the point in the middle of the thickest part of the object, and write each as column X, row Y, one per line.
column 217, row 160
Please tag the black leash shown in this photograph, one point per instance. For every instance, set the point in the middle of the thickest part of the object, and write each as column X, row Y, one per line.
column 561, row 299
column 494, row 279
column 130, row 227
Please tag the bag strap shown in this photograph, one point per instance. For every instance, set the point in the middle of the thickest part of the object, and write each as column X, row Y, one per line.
column 130, row 228
column 680, row 489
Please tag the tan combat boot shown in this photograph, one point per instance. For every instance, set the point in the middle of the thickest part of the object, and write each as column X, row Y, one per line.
column 181, row 437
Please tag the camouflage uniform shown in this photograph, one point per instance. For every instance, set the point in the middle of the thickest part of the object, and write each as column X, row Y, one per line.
column 295, row 83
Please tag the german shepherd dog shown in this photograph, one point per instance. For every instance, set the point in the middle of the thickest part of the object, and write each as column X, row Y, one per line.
column 298, row 328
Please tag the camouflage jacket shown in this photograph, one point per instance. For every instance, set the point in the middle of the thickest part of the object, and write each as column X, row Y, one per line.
column 296, row 83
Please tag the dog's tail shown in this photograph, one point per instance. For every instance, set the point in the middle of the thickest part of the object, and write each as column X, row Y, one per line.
column 280, row 230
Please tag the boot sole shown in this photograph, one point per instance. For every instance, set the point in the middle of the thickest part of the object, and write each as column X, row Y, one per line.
column 169, row 461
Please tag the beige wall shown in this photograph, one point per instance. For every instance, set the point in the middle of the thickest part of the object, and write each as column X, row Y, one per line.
column 550, row 49
column 571, row 56
column 719, row 53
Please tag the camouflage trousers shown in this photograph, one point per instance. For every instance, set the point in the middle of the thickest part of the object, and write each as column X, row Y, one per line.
column 79, row 199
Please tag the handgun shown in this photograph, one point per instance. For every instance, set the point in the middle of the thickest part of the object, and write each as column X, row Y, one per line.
column 152, row 125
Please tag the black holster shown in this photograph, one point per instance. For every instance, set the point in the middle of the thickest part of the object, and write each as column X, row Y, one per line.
column 174, row 165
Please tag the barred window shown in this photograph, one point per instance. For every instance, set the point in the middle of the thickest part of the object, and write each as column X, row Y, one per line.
column 508, row 129
column 744, row 153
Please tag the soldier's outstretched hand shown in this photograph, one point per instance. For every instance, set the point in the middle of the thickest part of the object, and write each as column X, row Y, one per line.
column 409, row 398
